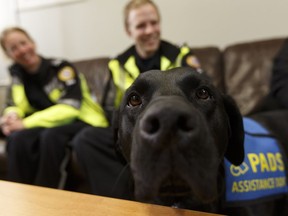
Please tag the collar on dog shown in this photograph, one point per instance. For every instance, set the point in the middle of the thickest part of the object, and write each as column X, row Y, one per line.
column 262, row 174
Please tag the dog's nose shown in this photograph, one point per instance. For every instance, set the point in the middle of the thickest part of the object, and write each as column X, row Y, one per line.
column 167, row 121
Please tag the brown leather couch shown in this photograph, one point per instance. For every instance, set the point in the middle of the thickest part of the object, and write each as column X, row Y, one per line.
column 241, row 70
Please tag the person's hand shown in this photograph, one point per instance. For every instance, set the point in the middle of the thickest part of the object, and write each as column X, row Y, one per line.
column 10, row 123
column 8, row 118
column 15, row 125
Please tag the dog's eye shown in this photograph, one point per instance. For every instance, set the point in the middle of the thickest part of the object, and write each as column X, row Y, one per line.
column 203, row 94
column 134, row 100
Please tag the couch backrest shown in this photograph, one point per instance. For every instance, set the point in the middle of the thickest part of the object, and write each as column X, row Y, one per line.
column 211, row 61
column 97, row 74
column 247, row 72
column 3, row 96
column 242, row 70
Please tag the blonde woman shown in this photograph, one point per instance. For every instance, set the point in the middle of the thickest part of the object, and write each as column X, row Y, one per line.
column 43, row 112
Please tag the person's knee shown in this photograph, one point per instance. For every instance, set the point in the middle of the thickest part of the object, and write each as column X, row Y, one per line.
column 79, row 142
column 48, row 133
column 51, row 139
column 89, row 140
column 15, row 142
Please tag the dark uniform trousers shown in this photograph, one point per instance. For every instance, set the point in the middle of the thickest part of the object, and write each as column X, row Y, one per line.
column 35, row 155
column 108, row 173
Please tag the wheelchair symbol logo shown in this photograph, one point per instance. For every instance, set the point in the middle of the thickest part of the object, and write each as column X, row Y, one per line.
column 239, row 170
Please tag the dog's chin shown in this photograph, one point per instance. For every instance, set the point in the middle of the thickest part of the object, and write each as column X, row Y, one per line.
column 176, row 192
column 173, row 192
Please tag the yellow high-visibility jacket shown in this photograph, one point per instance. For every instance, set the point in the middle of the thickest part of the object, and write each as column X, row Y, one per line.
column 55, row 95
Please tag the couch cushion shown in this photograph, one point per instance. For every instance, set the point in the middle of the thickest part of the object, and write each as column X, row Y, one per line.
column 248, row 69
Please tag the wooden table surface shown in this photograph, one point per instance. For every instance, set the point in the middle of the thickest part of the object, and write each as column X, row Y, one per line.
column 26, row 200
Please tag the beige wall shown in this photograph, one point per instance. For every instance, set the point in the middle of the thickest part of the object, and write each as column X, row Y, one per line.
column 7, row 17
column 92, row 28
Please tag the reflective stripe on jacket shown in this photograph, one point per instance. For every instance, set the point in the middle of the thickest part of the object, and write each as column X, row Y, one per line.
column 58, row 114
column 91, row 112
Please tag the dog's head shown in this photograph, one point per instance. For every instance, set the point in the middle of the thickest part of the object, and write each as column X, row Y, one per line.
column 174, row 128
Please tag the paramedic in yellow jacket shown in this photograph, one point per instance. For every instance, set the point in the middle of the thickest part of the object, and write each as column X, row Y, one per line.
column 48, row 103
column 94, row 146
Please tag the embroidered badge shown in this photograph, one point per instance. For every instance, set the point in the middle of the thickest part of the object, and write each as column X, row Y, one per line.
column 67, row 73
column 192, row 61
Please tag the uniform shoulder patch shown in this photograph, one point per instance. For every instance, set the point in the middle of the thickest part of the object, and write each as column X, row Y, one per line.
column 192, row 61
column 66, row 73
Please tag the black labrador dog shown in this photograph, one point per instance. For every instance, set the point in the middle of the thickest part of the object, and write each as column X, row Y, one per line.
column 175, row 128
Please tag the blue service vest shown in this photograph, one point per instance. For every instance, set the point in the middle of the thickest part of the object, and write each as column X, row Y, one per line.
column 263, row 172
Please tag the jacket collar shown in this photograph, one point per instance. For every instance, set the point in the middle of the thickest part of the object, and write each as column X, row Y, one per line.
column 166, row 49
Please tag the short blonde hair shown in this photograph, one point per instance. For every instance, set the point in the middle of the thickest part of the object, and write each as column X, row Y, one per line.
column 7, row 31
column 132, row 4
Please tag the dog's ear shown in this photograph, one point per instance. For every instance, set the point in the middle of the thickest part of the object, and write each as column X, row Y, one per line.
column 235, row 149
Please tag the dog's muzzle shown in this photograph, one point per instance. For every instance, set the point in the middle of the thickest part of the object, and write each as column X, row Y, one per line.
column 169, row 143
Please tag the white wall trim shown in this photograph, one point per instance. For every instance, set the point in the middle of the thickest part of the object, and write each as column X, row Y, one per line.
column 24, row 5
